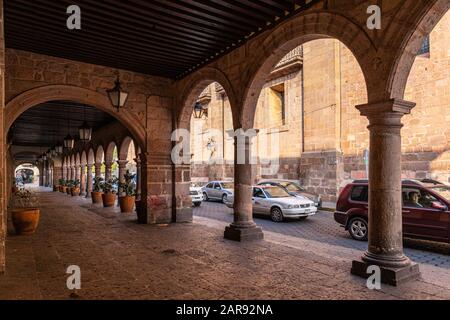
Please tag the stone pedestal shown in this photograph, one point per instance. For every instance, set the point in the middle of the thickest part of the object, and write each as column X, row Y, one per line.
column 385, row 247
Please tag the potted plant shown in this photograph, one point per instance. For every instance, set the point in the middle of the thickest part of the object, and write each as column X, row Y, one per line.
column 126, row 201
column 109, row 193
column 25, row 212
column 61, row 183
column 69, row 184
column 96, row 193
column 75, row 190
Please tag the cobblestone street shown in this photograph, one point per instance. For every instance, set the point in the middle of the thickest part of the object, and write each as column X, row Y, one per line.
column 120, row 259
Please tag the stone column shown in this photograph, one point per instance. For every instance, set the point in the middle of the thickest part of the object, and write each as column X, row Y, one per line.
column 83, row 180
column 98, row 169
column 108, row 166
column 156, row 196
column 183, row 201
column 243, row 227
column 122, row 169
column 3, row 151
column 89, row 180
column 385, row 247
column 64, row 172
column 138, row 177
column 77, row 172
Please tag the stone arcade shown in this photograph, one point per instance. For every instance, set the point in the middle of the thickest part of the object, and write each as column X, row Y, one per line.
column 164, row 88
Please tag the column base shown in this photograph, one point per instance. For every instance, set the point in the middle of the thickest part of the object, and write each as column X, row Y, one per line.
column 236, row 233
column 183, row 215
column 393, row 276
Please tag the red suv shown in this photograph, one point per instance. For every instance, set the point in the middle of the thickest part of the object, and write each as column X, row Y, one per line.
column 426, row 213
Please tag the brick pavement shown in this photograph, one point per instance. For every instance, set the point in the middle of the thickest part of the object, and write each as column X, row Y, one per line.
column 121, row 259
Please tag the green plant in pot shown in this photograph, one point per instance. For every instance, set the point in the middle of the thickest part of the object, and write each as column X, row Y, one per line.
column 69, row 184
column 24, row 208
column 75, row 189
column 97, row 191
column 61, row 183
column 109, row 192
column 128, row 188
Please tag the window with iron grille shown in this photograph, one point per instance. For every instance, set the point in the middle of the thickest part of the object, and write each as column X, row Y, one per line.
column 425, row 49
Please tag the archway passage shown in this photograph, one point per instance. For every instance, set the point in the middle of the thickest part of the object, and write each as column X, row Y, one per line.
column 49, row 136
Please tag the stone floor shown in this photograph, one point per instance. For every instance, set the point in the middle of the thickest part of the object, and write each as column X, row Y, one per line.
column 120, row 259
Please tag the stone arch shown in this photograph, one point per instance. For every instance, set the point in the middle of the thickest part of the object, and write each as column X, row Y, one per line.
column 293, row 33
column 91, row 156
column 433, row 12
column 124, row 147
column 109, row 152
column 33, row 97
column 83, row 159
column 77, row 159
column 99, row 155
column 194, row 85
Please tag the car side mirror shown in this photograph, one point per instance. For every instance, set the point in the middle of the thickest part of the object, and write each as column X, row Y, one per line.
column 438, row 206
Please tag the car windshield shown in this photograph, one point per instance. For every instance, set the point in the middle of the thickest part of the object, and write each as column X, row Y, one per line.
column 276, row 192
column 228, row 185
column 292, row 187
column 443, row 191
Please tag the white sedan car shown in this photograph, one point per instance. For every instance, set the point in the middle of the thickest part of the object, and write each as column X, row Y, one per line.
column 278, row 204
column 196, row 195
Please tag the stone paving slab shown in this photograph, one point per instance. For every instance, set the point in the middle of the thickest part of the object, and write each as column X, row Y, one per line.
column 120, row 259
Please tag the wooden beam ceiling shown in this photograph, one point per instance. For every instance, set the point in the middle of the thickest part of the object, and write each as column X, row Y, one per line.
column 158, row 37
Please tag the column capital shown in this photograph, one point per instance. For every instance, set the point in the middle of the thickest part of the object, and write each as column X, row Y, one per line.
column 122, row 162
column 392, row 106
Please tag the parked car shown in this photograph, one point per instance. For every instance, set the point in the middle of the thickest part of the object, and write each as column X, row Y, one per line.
column 196, row 194
column 218, row 190
column 277, row 203
column 294, row 189
column 426, row 213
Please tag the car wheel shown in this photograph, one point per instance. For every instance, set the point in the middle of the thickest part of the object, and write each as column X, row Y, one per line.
column 358, row 229
column 224, row 198
column 276, row 215
column 197, row 204
column 205, row 196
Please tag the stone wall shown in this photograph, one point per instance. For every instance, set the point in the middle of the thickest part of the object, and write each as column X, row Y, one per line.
column 3, row 151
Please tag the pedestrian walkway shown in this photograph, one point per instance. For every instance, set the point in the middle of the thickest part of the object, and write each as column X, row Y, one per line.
column 120, row 259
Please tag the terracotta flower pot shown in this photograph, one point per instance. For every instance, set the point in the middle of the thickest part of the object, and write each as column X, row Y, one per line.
column 55, row 188
column 25, row 220
column 63, row 189
column 96, row 197
column 68, row 190
column 109, row 199
column 126, row 203
column 75, row 191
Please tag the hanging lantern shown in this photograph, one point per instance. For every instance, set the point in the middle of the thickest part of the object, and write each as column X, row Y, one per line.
column 59, row 149
column 199, row 110
column 69, row 142
column 117, row 96
column 85, row 132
